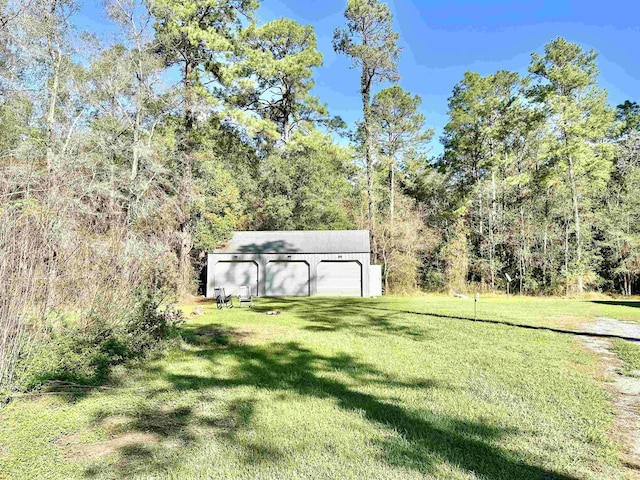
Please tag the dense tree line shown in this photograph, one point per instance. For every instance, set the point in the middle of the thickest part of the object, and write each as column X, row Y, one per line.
column 542, row 171
column 124, row 160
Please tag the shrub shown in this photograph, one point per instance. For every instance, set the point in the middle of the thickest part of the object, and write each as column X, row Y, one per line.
column 151, row 322
column 83, row 352
column 434, row 280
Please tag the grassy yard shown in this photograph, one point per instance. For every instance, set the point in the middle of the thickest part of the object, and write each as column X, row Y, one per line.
column 390, row 388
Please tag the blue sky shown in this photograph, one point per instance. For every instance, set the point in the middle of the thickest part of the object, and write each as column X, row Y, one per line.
column 442, row 39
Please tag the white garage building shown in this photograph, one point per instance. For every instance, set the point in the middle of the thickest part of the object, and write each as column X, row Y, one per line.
column 293, row 263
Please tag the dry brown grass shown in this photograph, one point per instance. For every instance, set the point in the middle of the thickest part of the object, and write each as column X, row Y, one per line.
column 93, row 451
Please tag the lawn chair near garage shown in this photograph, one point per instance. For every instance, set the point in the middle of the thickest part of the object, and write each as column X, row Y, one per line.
column 245, row 296
column 222, row 299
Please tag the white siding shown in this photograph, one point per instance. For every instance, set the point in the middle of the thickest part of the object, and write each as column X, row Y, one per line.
column 375, row 280
column 314, row 260
column 287, row 279
column 340, row 279
column 232, row 275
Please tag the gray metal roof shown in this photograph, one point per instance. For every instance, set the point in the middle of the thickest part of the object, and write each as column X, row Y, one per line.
column 299, row 241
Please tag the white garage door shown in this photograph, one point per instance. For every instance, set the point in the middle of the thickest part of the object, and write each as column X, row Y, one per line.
column 287, row 279
column 232, row 275
column 340, row 279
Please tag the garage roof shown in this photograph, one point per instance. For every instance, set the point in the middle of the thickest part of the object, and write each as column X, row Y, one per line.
column 299, row 241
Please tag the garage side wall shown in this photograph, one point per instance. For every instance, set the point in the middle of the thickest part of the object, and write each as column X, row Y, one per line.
column 312, row 259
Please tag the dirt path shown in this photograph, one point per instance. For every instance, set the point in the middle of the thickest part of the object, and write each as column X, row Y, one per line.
column 626, row 389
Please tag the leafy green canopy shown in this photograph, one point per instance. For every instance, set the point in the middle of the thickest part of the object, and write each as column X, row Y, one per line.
column 275, row 78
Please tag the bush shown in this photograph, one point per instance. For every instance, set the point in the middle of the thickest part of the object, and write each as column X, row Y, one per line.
column 84, row 354
column 434, row 280
column 402, row 274
column 151, row 323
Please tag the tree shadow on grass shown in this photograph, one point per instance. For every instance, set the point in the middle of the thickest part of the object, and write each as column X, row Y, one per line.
column 507, row 323
column 325, row 314
column 368, row 318
column 417, row 438
column 151, row 439
column 621, row 303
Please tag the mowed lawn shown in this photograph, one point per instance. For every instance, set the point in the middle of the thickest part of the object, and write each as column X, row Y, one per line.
column 391, row 388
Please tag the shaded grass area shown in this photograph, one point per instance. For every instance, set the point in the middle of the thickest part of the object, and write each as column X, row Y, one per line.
column 623, row 303
column 340, row 388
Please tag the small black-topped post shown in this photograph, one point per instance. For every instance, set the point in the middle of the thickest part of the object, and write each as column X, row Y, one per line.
column 475, row 306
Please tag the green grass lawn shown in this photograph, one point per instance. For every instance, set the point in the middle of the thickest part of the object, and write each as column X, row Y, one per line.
column 340, row 388
column 629, row 353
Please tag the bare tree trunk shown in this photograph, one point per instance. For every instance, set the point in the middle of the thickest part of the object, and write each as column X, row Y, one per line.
column 136, row 145
column 286, row 125
column 392, row 182
column 386, row 275
column 522, row 248
column 576, row 221
column 545, row 241
column 544, row 255
column 365, row 85
column 112, row 184
column 481, row 209
column 56, row 57
column 54, row 86
column 566, row 256
column 492, row 221
column 185, row 234
column 629, row 280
